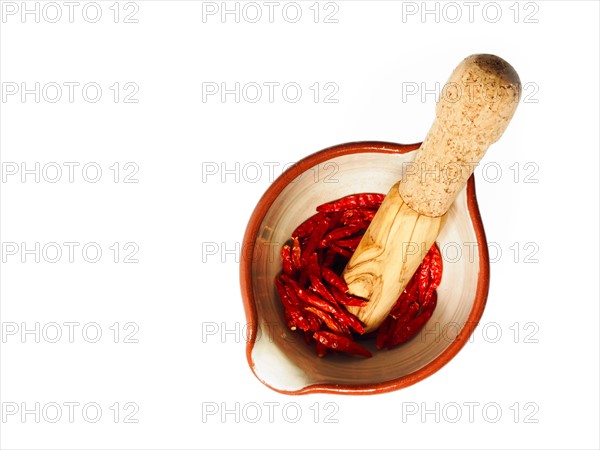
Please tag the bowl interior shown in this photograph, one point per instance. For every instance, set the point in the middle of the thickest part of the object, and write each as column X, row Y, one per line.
column 281, row 358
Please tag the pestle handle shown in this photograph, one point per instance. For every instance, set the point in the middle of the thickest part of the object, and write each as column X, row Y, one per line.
column 474, row 109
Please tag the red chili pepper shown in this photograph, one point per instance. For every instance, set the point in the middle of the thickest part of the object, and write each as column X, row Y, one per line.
column 314, row 295
column 308, row 297
column 326, row 318
column 407, row 330
column 345, row 329
column 307, row 226
column 417, row 292
column 400, row 308
column 333, row 279
column 286, row 259
column 329, row 258
column 410, row 312
column 314, row 275
column 314, row 239
column 296, row 253
column 291, row 304
column 350, row 320
column 410, row 294
column 360, row 215
column 311, row 299
column 313, row 266
column 352, row 201
column 289, row 320
column 435, row 271
column 282, row 289
column 424, row 276
column 319, row 288
column 350, row 244
column 314, row 323
column 344, row 299
column 321, row 350
column 308, row 337
column 345, row 253
column 341, row 343
column 343, row 232
column 335, row 220
column 383, row 334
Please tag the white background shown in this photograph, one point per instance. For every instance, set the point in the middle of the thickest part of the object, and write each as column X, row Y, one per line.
column 547, row 372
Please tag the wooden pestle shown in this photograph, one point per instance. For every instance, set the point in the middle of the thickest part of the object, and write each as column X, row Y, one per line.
column 472, row 112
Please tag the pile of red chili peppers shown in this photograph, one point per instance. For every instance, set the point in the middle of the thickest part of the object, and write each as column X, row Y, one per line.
column 314, row 294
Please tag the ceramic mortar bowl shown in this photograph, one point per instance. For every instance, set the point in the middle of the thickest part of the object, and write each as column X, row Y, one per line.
column 280, row 358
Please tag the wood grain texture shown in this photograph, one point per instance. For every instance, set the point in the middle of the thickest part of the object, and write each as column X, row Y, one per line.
column 388, row 256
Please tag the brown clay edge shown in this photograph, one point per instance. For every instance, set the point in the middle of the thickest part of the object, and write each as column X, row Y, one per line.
column 245, row 271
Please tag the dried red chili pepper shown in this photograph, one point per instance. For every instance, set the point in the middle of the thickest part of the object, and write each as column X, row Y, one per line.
column 423, row 275
column 289, row 320
column 383, row 334
column 319, row 288
column 403, row 304
column 286, row 259
column 343, row 232
column 307, row 226
column 331, row 277
column 407, row 330
column 314, row 321
column 344, row 299
column 405, row 318
column 352, row 201
column 307, row 297
column 350, row 244
column 320, row 349
column 308, row 338
column 359, row 215
column 340, row 251
column 410, row 312
column 410, row 294
column 314, row 240
column 341, row 343
column 296, row 254
column 291, row 305
column 350, row 320
column 345, row 329
column 314, row 275
column 314, row 295
column 335, row 220
column 328, row 258
column 435, row 272
column 326, row 318
column 310, row 299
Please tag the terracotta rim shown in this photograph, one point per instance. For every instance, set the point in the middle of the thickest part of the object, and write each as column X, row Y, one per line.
column 256, row 219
